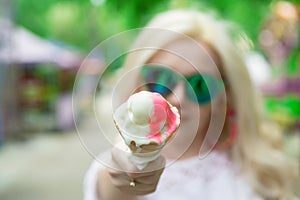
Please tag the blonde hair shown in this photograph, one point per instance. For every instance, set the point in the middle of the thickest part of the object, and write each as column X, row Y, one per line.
column 265, row 166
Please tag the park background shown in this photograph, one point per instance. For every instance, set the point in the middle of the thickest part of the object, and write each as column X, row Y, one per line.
column 44, row 43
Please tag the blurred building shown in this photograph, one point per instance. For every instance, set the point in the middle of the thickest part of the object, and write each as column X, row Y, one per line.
column 36, row 75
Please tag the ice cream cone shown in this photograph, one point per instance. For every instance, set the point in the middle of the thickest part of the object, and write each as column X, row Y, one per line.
column 146, row 146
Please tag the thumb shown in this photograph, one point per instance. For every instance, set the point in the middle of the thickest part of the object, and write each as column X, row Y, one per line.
column 121, row 161
column 157, row 164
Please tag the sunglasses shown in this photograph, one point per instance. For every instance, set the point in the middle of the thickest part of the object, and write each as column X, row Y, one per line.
column 199, row 88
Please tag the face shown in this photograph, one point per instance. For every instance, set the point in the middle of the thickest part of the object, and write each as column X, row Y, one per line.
column 186, row 60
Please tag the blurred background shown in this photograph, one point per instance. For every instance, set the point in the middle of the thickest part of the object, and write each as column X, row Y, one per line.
column 43, row 44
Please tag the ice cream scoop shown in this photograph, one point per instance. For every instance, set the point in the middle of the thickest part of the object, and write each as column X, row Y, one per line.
column 146, row 121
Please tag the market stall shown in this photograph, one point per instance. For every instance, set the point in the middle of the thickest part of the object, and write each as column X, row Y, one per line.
column 38, row 73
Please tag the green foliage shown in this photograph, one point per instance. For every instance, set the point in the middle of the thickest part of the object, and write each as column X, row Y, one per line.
column 84, row 24
column 55, row 19
column 248, row 14
column 137, row 12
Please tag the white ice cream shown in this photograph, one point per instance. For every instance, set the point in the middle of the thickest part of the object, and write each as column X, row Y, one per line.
column 140, row 108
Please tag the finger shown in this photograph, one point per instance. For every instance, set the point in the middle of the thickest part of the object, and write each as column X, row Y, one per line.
column 120, row 158
column 149, row 180
column 151, row 168
column 139, row 189
column 157, row 164
column 144, row 185
column 118, row 174
column 146, row 174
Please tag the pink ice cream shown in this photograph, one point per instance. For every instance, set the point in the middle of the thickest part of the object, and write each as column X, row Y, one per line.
column 162, row 115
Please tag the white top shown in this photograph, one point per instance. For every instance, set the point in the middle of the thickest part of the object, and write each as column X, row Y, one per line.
column 212, row 178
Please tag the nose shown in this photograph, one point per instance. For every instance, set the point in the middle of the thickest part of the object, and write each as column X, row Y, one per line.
column 176, row 98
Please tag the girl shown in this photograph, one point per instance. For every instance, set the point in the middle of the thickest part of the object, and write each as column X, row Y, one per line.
column 190, row 58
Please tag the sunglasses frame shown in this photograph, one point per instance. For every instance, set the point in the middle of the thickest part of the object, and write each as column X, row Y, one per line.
column 210, row 89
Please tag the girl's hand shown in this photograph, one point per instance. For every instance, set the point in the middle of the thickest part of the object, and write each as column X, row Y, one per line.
column 129, row 179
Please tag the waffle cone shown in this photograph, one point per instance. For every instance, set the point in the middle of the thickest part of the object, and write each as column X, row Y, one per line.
column 144, row 148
